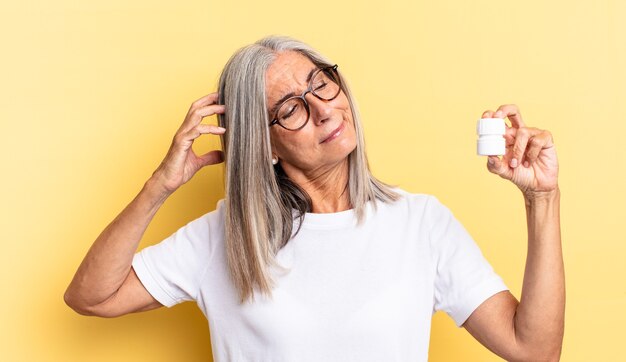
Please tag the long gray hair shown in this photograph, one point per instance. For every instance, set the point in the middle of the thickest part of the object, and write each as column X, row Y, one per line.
column 260, row 199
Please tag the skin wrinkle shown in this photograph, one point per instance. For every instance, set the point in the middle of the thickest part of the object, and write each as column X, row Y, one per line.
column 288, row 93
column 319, row 168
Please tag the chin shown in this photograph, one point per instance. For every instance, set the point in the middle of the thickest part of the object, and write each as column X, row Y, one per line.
column 343, row 148
column 347, row 143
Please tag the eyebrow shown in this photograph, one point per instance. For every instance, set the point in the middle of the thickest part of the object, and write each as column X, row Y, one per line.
column 290, row 94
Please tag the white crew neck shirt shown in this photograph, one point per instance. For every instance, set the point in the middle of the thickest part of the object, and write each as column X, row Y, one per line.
column 353, row 292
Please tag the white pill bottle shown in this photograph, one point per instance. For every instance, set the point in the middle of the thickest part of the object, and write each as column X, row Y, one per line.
column 491, row 140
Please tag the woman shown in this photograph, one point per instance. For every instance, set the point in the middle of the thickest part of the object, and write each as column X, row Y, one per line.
column 308, row 256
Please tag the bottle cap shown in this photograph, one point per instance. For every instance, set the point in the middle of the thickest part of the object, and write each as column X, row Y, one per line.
column 490, row 126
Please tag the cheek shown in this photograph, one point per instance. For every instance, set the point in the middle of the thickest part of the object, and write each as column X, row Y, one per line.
column 303, row 144
column 345, row 107
column 290, row 145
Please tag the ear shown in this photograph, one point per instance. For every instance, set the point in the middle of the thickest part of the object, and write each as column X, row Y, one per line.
column 274, row 154
column 273, row 148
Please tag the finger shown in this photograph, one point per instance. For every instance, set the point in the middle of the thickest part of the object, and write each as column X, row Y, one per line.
column 205, row 101
column 536, row 144
column 511, row 112
column 209, row 128
column 195, row 116
column 508, row 154
column 509, row 135
column 487, row 114
column 212, row 157
column 534, row 147
column 523, row 136
column 188, row 137
column 519, row 147
column 499, row 167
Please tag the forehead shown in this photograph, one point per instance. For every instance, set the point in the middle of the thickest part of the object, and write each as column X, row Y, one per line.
column 289, row 70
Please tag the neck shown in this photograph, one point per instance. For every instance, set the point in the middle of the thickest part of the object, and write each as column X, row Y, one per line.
column 327, row 187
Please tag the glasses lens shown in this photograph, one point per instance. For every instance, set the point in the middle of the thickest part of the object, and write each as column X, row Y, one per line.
column 325, row 84
column 292, row 114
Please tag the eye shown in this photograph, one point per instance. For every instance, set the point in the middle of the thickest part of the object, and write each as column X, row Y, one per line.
column 321, row 86
column 290, row 112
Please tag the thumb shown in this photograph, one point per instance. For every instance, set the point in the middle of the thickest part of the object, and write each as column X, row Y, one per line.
column 499, row 167
column 212, row 157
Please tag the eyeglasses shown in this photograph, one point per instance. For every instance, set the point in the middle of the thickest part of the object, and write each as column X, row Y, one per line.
column 294, row 112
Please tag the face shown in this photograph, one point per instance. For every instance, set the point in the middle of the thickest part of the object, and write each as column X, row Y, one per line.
column 327, row 138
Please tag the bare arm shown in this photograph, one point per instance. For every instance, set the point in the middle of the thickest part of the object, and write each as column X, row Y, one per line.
column 539, row 321
column 108, row 262
column 532, row 329
column 105, row 283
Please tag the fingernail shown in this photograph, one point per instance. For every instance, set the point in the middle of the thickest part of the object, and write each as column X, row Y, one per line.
column 498, row 114
column 526, row 164
column 221, row 128
column 490, row 161
column 514, row 162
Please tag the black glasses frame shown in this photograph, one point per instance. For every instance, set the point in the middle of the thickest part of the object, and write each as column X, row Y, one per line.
column 309, row 89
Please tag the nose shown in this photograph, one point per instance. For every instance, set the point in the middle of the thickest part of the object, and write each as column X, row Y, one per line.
column 321, row 110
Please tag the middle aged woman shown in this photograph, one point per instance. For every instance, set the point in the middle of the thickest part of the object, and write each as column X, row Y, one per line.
column 311, row 258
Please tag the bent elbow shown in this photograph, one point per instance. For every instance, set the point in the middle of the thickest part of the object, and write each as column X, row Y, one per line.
column 99, row 310
column 76, row 306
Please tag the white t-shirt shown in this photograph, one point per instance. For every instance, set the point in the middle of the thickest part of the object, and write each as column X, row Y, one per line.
column 354, row 293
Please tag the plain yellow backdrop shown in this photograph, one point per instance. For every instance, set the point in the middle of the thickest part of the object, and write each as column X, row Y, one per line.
column 92, row 93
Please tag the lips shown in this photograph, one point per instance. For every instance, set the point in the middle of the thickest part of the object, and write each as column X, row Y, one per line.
column 334, row 134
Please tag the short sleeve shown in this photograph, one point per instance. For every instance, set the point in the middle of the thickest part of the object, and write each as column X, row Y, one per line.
column 171, row 270
column 463, row 277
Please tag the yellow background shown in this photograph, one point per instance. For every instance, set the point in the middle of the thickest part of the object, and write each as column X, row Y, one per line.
column 92, row 93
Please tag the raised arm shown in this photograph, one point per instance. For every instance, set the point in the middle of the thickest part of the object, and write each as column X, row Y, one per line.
column 105, row 284
column 532, row 329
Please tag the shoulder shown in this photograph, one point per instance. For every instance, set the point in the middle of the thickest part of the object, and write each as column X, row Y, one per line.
column 207, row 226
column 413, row 200
column 427, row 207
column 417, row 207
